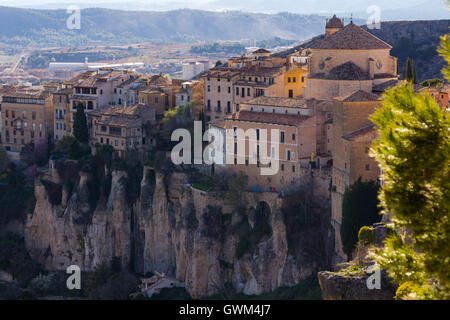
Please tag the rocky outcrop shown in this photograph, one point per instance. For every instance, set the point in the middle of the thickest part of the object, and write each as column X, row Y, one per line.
column 59, row 235
column 359, row 279
column 354, row 286
column 174, row 229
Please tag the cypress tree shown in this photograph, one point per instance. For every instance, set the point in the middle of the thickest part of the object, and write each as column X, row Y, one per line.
column 409, row 72
column 414, row 77
column 80, row 128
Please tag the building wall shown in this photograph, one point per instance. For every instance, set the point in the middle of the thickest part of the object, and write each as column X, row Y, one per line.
column 323, row 89
column 215, row 96
column 349, row 157
column 31, row 128
column 299, row 140
column 61, row 105
column 294, row 81
column 387, row 65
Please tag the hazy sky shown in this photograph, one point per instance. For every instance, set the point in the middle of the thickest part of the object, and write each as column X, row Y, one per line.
column 419, row 8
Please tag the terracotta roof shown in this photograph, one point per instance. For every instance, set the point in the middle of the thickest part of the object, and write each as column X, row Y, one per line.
column 359, row 95
column 266, row 117
column 278, row 102
column 335, row 22
column 259, row 71
column 261, row 50
column 385, row 85
column 345, row 71
column 351, row 37
column 359, row 132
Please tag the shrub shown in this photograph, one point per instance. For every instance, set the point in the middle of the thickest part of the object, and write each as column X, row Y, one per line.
column 359, row 208
column 366, row 235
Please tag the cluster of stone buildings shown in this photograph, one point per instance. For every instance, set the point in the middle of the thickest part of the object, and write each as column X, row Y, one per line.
column 121, row 106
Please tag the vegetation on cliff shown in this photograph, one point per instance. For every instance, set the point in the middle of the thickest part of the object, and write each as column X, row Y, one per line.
column 413, row 150
column 359, row 208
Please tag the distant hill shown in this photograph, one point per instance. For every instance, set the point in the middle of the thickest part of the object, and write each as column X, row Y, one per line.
column 415, row 39
column 31, row 27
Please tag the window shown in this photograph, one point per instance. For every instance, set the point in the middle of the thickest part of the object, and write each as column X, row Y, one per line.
column 235, row 148
column 7, row 112
column 367, row 167
column 218, row 88
column 237, row 107
column 303, row 79
column 294, row 79
column 209, row 88
column 293, row 168
column 282, row 167
column 248, row 92
column 218, row 106
column 282, row 136
column 13, row 114
column 257, row 137
column 293, row 137
column 228, row 106
column 229, row 89
column 288, row 155
column 209, row 105
column 243, row 92
column 246, row 162
column 237, row 91
column 289, row 79
column 291, row 93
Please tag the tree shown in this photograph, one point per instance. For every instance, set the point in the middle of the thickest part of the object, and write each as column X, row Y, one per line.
column 80, row 128
column 4, row 160
column 359, row 208
column 413, row 149
column 218, row 63
column 409, row 73
column 433, row 83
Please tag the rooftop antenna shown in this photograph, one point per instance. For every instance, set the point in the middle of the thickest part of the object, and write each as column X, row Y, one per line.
column 351, row 18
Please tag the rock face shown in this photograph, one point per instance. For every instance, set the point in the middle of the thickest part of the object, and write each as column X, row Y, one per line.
column 336, row 286
column 362, row 283
column 175, row 229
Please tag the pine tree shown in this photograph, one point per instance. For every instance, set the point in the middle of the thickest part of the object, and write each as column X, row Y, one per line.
column 80, row 128
column 413, row 150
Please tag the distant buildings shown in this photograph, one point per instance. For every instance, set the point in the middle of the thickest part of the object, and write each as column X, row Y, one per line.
column 193, row 68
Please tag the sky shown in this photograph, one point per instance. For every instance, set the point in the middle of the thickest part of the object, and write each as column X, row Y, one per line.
column 397, row 9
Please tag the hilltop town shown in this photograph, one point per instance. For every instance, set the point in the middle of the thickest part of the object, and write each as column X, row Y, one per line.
column 319, row 98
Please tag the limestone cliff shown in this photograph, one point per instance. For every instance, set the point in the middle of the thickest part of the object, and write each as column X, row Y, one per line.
column 173, row 228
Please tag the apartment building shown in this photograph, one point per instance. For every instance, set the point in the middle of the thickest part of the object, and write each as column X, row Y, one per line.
column 93, row 89
column 61, row 105
column 27, row 116
column 125, row 129
column 218, row 92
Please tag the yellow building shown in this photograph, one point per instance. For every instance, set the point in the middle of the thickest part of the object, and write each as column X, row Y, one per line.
column 27, row 117
column 294, row 81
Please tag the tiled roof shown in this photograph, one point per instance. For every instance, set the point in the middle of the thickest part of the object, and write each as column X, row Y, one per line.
column 359, row 132
column 359, row 95
column 335, row 22
column 261, row 50
column 345, row 71
column 259, row 71
column 266, row 117
column 278, row 102
column 385, row 85
column 351, row 37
